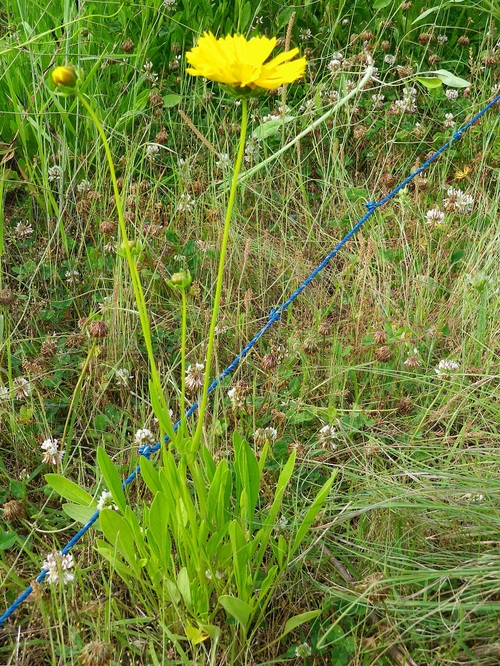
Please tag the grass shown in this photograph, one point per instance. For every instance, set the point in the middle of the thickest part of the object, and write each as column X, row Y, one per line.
column 402, row 561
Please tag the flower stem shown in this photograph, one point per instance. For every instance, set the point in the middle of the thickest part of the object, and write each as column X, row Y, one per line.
column 220, row 275
column 134, row 274
column 183, row 363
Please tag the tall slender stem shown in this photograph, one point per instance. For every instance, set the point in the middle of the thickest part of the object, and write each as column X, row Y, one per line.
column 134, row 273
column 220, row 275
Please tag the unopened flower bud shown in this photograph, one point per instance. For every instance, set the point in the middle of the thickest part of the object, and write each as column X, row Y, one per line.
column 65, row 76
column 180, row 281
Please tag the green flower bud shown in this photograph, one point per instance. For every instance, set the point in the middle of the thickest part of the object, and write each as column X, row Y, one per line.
column 180, row 281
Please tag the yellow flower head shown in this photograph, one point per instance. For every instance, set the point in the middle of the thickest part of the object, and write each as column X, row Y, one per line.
column 65, row 76
column 241, row 64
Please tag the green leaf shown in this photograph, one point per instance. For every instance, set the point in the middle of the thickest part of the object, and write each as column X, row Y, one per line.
column 171, row 100
column 114, row 559
column 69, row 490
column 184, row 586
column 241, row 611
column 380, row 4
column 429, row 82
column 7, row 539
column 150, row 475
column 112, row 478
column 196, row 635
column 118, row 533
column 271, row 127
column 297, row 620
column 450, row 79
column 247, row 478
column 356, row 194
column 82, row 514
column 312, row 513
column 432, row 10
column 456, row 256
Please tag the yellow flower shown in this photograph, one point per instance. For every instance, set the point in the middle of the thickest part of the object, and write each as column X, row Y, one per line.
column 241, row 63
column 65, row 76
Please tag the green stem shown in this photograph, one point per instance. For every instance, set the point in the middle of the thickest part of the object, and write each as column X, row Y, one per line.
column 183, row 362
column 220, row 275
column 134, row 274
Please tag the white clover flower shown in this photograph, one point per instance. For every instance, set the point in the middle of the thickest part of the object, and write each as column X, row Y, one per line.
column 4, row 393
column 263, row 435
column 451, row 93
column 72, row 276
column 473, row 497
column 327, row 437
column 458, row 201
column 334, row 65
column 237, row 400
column 434, row 217
column 106, row 501
column 84, row 186
column 186, row 203
column 442, row 39
column 54, row 173
column 194, row 377
column 58, row 566
column 123, row 377
column 110, row 248
column 448, row 120
column 51, row 455
column 151, row 150
column 23, row 229
column 22, row 388
column 446, row 368
column 144, row 436
column 305, row 34
column 150, row 76
column 252, row 148
column 223, row 160
column 303, row 650
column 389, row 59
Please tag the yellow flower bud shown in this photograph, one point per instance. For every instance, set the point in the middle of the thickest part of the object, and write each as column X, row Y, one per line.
column 65, row 76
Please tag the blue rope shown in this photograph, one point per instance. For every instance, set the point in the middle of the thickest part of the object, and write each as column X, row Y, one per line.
column 273, row 317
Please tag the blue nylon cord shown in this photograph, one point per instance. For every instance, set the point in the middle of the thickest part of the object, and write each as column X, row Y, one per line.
column 274, row 316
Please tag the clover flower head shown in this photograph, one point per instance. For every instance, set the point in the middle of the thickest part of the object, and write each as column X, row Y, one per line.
column 263, row 435
column 186, row 203
column 303, row 650
column 52, row 455
column 123, row 377
column 446, row 368
column 458, row 201
column 22, row 388
column 54, row 173
column 328, row 437
column 58, row 566
column 144, row 436
column 194, row 377
column 106, row 501
column 23, row 229
column 434, row 217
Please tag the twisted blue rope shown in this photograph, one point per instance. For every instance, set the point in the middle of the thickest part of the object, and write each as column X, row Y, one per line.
column 273, row 317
